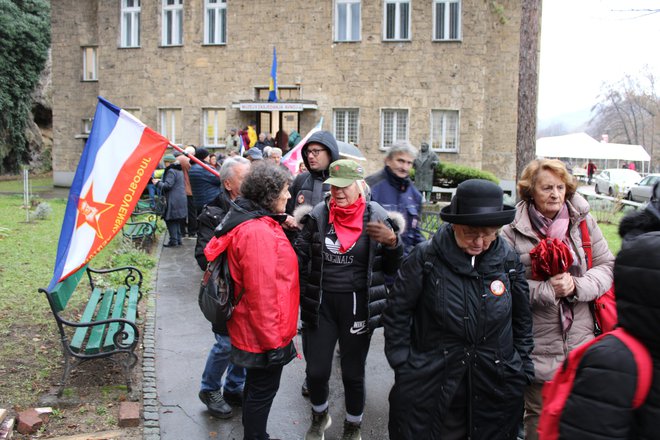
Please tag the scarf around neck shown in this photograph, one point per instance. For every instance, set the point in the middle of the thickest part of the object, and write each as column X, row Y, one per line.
column 556, row 228
column 399, row 183
column 348, row 222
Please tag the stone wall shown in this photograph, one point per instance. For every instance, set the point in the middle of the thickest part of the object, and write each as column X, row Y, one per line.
column 477, row 76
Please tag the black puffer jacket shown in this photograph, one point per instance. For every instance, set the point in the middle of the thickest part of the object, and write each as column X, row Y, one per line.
column 309, row 245
column 210, row 217
column 449, row 324
column 599, row 404
column 308, row 187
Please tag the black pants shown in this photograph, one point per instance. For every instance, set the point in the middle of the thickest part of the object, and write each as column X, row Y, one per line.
column 261, row 385
column 191, row 227
column 343, row 317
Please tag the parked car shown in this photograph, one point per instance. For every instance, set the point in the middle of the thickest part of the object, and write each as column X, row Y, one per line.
column 616, row 181
column 642, row 191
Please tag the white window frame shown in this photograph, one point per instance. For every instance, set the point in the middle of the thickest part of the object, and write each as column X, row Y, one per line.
column 348, row 4
column 87, row 125
column 441, row 132
column 218, row 8
column 218, row 124
column 90, row 63
column 130, row 23
column 175, row 11
column 447, row 20
column 397, row 20
column 397, row 114
column 168, row 123
column 349, row 119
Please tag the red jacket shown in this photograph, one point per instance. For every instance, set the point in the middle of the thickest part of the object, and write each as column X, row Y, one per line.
column 263, row 262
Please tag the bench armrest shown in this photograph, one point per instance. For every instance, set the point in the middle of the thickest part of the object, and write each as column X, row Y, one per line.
column 150, row 227
column 129, row 280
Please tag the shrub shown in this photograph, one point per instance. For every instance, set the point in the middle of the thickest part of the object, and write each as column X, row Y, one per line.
column 449, row 175
column 43, row 211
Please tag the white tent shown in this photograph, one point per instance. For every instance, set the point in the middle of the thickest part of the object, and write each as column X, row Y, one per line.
column 583, row 146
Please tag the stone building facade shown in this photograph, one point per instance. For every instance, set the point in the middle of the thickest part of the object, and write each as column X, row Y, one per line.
column 444, row 71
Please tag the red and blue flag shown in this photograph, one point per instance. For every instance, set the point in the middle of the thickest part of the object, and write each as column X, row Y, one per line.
column 116, row 164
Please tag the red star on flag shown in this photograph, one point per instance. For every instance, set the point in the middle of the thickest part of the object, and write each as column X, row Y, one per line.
column 89, row 211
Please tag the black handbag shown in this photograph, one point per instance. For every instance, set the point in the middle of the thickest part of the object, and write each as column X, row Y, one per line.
column 216, row 293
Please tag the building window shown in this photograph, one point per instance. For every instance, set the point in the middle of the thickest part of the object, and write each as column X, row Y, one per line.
column 446, row 19
column 215, row 127
column 215, row 21
column 394, row 127
column 89, row 64
column 170, row 124
column 347, row 20
column 130, row 23
column 397, row 20
column 172, row 22
column 346, row 123
column 444, row 130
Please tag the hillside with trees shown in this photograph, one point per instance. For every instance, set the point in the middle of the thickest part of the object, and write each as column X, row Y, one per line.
column 24, row 45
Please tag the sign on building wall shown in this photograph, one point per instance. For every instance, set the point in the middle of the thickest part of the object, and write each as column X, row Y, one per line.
column 270, row 106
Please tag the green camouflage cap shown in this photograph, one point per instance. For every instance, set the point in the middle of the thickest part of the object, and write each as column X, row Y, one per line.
column 169, row 158
column 344, row 172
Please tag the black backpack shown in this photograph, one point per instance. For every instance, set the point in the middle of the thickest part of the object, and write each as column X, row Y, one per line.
column 216, row 293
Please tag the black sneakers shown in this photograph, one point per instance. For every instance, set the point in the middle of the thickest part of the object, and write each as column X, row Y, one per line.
column 216, row 404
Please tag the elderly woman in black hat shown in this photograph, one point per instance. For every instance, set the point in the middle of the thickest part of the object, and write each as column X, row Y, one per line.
column 458, row 327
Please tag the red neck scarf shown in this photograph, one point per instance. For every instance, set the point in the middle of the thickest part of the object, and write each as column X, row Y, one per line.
column 348, row 222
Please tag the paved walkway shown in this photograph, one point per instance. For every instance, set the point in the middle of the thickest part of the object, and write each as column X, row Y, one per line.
column 183, row 338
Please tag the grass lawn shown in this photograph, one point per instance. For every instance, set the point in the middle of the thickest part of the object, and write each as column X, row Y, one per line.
column 30, row 353
column 37, row 184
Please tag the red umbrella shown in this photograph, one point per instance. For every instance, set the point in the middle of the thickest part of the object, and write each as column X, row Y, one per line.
column 549, row 258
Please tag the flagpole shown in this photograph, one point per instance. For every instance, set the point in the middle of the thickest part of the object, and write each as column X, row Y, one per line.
column 199, row 162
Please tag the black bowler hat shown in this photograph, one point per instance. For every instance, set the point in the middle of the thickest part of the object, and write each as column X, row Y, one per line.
column 478, row 203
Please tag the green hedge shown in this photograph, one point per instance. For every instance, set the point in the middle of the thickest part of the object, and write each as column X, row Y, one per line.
column 450, row 175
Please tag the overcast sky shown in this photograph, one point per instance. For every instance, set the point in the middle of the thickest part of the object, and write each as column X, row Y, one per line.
column 586, row 42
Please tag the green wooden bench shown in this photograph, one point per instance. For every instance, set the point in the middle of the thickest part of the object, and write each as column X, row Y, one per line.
column 141, row 229
column 107, row 324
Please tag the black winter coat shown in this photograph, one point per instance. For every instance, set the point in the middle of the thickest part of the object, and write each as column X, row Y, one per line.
column 174, row 188
column 448, row 324
column 309, row 247
column 599, row 406
column 207, row 221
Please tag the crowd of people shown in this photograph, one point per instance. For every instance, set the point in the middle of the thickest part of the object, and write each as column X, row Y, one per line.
column 473, row 326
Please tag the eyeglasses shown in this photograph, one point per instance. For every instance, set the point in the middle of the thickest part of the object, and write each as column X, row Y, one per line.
column 315, row 152
column 472, row 235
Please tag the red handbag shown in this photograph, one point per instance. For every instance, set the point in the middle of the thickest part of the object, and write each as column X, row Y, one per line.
column 604, row 307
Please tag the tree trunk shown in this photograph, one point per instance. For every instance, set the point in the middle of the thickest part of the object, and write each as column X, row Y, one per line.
column 528, row 84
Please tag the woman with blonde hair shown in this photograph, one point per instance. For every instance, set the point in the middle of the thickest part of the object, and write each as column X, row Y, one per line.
column 346, row 245
column 550, row 208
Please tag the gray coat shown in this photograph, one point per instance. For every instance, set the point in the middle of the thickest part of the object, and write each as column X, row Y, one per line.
column 174, row 188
